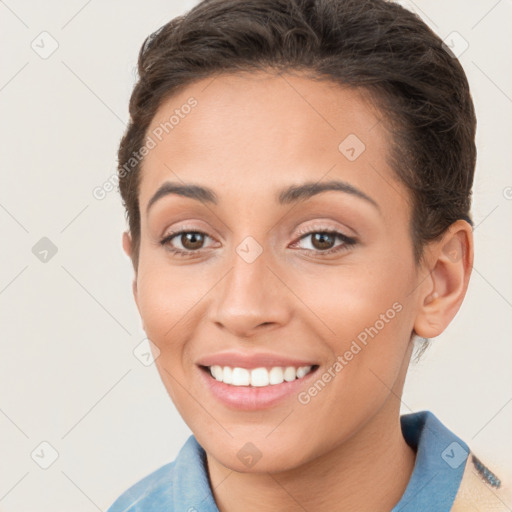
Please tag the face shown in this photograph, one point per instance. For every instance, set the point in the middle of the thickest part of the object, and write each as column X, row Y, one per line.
column 297, row 254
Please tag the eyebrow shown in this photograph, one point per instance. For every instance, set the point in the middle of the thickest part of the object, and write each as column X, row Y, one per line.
column 291, row 194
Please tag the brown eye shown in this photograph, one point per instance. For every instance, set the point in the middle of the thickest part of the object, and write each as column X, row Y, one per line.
column 185, row 243
column 192, row 240
column 322, row 241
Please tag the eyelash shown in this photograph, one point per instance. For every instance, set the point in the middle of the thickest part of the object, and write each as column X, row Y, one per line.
column 347, row 242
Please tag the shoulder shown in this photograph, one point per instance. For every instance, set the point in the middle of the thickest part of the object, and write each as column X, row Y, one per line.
column 172, row 486
column 448, row 475
column 154, row 489
column 485, row 488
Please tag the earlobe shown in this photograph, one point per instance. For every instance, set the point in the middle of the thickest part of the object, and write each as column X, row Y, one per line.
column 134, row 290
column 451, row 261
column 127, row 244
column 127, row 247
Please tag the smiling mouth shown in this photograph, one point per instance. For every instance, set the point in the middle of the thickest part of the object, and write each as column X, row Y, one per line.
column 257, row 377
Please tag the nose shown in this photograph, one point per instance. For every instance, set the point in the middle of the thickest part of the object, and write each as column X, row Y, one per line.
column 251, row 297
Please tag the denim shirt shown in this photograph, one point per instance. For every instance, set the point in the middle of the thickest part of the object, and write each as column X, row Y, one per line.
column 183, row 485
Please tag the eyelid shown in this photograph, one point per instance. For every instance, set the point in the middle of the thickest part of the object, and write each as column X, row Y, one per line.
column 180, row 227
column 320, row 226
column 168, row 236
column 316, row 227
column 327, row 225
column 348, row 241
column 337, row 250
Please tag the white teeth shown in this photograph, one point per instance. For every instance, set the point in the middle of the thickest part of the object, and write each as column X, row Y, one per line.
column 258, row 377
column 227, row 376
column 289, row 373
column 302, row 371
column 216, row 372
column 275, row 376
column 241, row 377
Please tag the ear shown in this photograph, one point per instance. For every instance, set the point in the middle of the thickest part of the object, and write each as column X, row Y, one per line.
column 127, row 247
column 451, row 262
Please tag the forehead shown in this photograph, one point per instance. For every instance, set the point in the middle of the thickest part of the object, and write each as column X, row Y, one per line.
column 264, row 131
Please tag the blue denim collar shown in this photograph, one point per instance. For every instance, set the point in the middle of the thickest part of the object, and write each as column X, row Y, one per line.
column 184, row 486
column 440, row 461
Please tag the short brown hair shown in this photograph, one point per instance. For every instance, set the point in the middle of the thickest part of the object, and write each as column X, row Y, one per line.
column 371, row 44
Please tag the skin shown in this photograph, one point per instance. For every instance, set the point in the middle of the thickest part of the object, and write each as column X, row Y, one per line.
column 250, row 136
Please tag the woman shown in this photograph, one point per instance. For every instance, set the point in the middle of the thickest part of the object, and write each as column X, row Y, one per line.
column 297, row 178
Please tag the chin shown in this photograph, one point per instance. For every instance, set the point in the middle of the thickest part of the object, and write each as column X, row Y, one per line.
column 256, row 455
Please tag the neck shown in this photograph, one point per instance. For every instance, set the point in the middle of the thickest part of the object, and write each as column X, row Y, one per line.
column 370, row 471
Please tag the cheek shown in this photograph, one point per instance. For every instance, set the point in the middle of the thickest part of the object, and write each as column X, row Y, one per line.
column 346, row 300
column 166, row 300
column 173, row 302
column 365, row 316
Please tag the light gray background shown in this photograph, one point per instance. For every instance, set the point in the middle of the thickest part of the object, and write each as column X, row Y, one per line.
column 69, row 325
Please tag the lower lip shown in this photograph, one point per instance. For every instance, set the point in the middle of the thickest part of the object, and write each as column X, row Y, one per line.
column 251, row 398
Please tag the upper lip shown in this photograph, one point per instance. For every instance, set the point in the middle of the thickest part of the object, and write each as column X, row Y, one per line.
column 251, row 360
